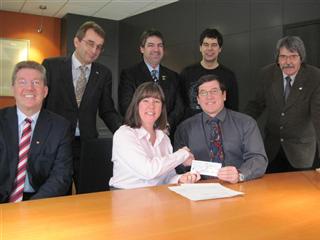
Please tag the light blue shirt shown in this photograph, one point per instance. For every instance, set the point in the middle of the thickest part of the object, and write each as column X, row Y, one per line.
column 150, row 68
column 285, row 81
column 21, row 121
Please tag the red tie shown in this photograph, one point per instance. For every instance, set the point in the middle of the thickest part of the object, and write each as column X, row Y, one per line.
column 17, row 193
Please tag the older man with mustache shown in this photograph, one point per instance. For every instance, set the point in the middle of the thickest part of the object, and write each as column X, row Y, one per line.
column 289, row 92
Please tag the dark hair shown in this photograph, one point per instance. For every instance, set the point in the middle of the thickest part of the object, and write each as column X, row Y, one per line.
column 145, row 90
column 211, row 33
column 30, row 65
column 149, row 33
column 293, row 44
column 209, row 78
column 90, row 25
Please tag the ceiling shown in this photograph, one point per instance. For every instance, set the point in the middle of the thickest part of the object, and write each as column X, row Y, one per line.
column 109, row 9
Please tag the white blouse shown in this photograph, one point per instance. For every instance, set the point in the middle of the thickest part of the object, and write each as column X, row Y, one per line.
column 138, row 163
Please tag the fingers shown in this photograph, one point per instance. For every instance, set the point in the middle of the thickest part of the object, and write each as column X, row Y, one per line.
column 229, row 174
column 189, row 177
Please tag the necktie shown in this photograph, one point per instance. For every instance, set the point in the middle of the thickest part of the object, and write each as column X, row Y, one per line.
column 287, row 88
column 81, row 84
column 216, row 146
column 24, row 146
column 154, row 75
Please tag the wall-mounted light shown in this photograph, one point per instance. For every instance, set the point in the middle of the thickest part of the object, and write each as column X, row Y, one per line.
column 42, row 8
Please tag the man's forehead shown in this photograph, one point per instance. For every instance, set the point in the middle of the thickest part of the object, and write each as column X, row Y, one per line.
column 211, row 83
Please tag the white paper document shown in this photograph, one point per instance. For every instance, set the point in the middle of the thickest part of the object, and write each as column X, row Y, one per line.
column 205, row 168
column 204, row 191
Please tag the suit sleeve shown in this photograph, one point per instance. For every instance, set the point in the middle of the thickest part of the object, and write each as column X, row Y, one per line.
column 60, row 176
column 181, row 140
column 256, row 106
column 125, row 91
column 175, row 116
column 107, row 111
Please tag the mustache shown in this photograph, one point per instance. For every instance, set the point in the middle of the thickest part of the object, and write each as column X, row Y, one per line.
column 287, row 66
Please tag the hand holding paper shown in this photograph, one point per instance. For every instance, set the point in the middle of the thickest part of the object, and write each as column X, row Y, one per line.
column 205, row 168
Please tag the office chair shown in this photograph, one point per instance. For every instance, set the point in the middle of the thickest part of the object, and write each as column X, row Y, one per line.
column 95, row 165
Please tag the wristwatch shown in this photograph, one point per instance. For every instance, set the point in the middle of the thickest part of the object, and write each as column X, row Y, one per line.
column 241, row 177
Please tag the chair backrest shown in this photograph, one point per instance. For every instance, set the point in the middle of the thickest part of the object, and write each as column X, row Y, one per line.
column 95, row 165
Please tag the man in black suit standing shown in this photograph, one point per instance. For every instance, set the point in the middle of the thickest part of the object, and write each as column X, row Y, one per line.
column 35, row 144
column 79, row 87
column 289, row 92
column 150, row 69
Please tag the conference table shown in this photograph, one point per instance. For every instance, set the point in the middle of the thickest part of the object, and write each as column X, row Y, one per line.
column 276, row 206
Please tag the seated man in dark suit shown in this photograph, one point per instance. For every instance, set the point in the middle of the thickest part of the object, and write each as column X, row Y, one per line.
column 221, row 135
column 35, row 144
column 152, row 50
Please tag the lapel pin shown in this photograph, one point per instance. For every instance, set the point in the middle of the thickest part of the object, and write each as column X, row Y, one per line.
column 163, row 77
column 97, row 72
column 37, row 142
column 300, row 88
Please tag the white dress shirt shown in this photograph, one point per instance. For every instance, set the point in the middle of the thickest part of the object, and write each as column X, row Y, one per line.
column 138, row 163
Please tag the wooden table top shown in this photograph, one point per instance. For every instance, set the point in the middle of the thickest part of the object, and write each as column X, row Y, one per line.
column 277, row 206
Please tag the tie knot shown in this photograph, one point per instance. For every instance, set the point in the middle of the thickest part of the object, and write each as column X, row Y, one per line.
column 83, row 68
column 28, row 120
column 288, row 79
column 214, row 121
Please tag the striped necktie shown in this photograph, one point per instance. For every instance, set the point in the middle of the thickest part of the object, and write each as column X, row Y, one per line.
column 154, row 75
column 24, row 146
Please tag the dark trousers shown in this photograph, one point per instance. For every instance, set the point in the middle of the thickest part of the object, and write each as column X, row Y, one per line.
column 76, row 151
column 281, row 164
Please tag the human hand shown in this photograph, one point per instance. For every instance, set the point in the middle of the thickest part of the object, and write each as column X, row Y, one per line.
column 229, row 174
column 189, row 159
column 189, row 177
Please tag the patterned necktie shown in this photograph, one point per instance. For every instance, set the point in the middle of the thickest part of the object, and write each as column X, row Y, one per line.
column 154, row 75
column 24, row 146
column 216, row 145
column 287, row 88
column 81, row 84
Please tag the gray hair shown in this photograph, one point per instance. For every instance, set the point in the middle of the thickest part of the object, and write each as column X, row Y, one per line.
column 293, row 44
column 31, row 65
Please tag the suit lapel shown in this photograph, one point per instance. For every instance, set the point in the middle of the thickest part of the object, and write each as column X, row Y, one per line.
column 277, row 87
column 91, row 84
column 13, row 137
column 68, row 81
column 297, row 88
column 40, row 133
column 146, row 73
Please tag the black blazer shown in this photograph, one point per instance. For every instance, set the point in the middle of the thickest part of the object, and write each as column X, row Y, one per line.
column 132, row 77
column 50, row 158
column 294, row 125
column 61, row 98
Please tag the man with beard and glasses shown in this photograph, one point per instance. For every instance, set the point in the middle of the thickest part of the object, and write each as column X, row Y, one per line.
column 289, row 92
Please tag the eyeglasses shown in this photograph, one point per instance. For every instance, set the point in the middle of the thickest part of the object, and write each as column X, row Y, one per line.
column 24, row 83
column 93, row 45
column 214, row 92
column 290, row 57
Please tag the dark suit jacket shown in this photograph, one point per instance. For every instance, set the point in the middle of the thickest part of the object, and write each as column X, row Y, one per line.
column 132, row 77
column 294, row 125
column 61, row 98
column 50, row 158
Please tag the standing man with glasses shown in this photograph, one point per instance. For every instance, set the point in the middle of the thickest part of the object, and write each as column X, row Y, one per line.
column 79, row 87
column 150, row 69
column 220, row 135
column 35, row 144
column 289, row 92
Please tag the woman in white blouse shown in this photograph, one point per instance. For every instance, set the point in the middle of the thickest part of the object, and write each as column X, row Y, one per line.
column 142, row 153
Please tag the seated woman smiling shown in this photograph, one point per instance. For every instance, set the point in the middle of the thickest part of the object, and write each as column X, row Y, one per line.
column 142, row 153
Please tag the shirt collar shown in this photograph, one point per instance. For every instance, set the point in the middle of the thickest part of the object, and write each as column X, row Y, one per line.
column 221, row 116
column 22, row 117
column 150, row 68
column 292, row 77
column 76, row 63
column 143, row 133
